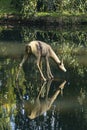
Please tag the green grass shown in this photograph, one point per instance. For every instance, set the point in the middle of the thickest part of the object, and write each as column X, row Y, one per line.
column 52, row 14
column 56, row 14
column 6, row 8
column 67, row 18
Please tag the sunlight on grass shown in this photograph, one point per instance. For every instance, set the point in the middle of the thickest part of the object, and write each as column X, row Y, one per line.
column 56, row 14
column 53, row 14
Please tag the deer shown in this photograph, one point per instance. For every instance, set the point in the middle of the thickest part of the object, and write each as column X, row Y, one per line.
column 41, row 49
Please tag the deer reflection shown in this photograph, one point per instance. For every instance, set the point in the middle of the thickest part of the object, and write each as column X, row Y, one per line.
column 37, row 108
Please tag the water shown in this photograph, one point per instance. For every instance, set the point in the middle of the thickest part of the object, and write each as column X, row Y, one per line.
column 30, row 103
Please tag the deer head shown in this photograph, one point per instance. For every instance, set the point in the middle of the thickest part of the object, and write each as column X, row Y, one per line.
column 61, row 66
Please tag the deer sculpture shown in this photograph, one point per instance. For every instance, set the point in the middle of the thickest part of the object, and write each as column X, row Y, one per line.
column 39, row 106
column 41, row 49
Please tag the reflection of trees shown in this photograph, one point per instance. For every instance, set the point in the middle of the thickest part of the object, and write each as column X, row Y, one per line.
column 83, row 102
column 68, row 48
column 29, row 90
column 7, row 96
column 8, row 116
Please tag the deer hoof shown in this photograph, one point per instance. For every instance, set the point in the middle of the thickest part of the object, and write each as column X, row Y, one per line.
column 44, row 79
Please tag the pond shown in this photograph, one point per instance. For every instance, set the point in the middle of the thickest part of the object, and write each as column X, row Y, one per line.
column 32, row 104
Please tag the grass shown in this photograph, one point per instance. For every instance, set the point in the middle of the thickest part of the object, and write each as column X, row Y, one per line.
column 63, row 18
column 6, row 8
column 56, row 14
column 66, row 17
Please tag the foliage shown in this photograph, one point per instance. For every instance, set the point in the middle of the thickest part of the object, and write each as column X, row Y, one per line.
column 62, row 5
column 77, row 37
column 5, row 7
column 27, row 8
column 70, row 55
column 17, row 4
column 30, row 7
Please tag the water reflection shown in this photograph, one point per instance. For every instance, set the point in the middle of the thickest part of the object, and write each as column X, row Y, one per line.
column 39, row 107
column 33, row 112
column 67, row 112
column 21, row 101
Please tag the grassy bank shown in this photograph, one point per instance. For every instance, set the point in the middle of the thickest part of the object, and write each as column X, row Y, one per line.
column 9, row 14
column 64, row 18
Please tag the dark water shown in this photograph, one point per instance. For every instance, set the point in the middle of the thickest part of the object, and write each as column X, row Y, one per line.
column 30, row 103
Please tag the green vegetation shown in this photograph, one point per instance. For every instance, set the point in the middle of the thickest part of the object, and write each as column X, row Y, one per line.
column 6, row 8
column 74, row 11
column 68, row 43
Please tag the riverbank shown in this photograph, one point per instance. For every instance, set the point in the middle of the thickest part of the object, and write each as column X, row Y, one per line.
column 9, row 14
column 45, row 19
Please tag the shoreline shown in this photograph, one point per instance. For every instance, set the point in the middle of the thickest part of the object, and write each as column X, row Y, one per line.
column 44, row 20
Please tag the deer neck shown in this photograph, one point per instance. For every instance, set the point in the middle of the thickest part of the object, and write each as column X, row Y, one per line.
column 55, row 57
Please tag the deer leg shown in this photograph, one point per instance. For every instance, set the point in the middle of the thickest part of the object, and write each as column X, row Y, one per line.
column 24, row 59
column 49, row 74
column 48, row 87
column 41, row 90
column 38, row 65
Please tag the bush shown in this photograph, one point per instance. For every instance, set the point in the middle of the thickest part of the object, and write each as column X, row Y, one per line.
column 27, row 8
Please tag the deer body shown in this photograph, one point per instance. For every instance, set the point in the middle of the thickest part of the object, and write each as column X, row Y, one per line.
column 41, row 49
